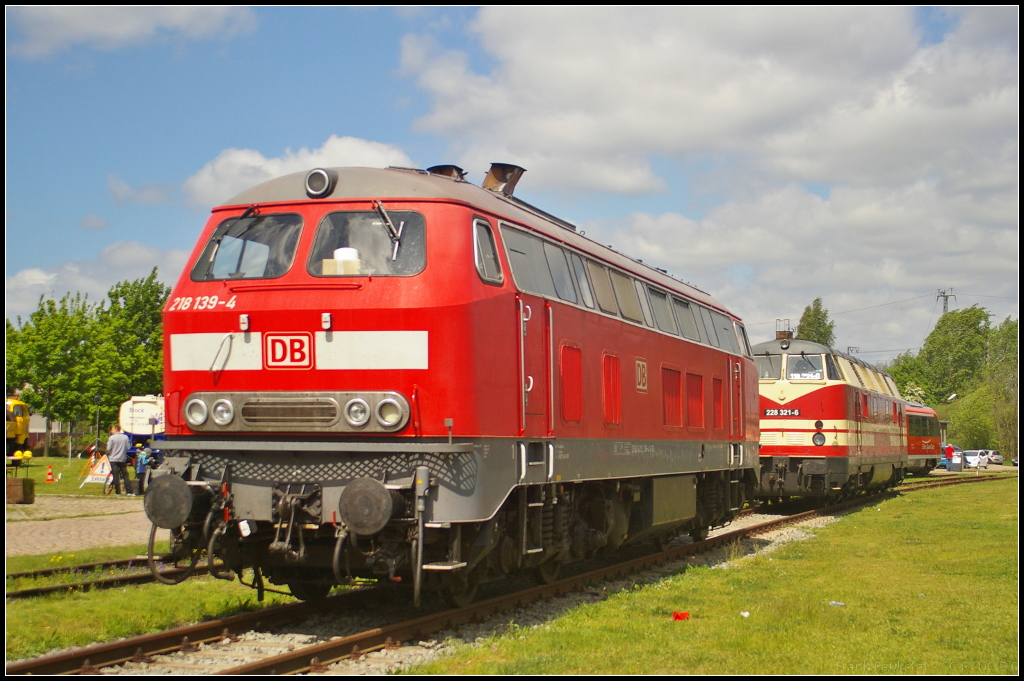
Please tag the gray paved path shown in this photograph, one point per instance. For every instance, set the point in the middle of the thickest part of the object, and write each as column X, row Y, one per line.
column 49, row 525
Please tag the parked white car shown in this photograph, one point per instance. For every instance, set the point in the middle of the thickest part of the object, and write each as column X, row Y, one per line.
column 976, row 458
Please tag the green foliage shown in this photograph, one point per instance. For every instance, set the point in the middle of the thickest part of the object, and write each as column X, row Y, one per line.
column 953, row 354
column 1001, row 379
column 69, row 350
column 815, row 325
column 971, row 421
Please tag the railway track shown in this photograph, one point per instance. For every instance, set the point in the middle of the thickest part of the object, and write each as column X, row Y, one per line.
column 220, row 638
column 145, row 577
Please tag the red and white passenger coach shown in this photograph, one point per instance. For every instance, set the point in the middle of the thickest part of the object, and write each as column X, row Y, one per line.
column 831, row 424
column 398, row 374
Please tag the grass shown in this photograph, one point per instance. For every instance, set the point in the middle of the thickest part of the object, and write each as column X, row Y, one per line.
column 69, row 482
column 67, row 559
column 928, row 583
column 36, row 626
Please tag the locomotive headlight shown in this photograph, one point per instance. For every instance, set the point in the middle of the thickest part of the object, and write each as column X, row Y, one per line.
column 196, row 412
column 223, row 412
column 389, row 413
column 818, row 439
column 357, row 412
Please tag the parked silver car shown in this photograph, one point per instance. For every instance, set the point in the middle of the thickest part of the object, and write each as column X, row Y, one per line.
column 994, row 457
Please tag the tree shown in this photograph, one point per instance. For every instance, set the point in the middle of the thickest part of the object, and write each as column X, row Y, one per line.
column 1001, row 377
column 911, row 377
column 50, row 356
column 815, row 325
column 130, row 336
column 954, row 353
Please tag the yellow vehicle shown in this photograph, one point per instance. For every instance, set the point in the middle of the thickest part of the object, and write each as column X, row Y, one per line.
column 17, row 430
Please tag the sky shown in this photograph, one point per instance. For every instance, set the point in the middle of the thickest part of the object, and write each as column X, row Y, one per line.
column 769, row 156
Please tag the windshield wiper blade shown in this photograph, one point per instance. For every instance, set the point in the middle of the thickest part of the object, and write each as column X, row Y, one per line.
column 395, row 234
column 249, row 212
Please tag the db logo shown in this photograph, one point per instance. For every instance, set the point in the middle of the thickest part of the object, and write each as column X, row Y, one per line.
column 288, row 351
column 641, row 375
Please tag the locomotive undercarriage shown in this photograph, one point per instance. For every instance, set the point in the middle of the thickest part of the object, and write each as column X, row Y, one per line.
column 376, row 533
column 784, row 476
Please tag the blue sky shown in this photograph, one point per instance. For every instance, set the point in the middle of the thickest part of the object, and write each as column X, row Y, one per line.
column 863, row 155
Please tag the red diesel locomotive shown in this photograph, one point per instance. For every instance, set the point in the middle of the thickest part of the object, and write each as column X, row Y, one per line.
column 831, row 424
column 924, row 439
column 394, row 373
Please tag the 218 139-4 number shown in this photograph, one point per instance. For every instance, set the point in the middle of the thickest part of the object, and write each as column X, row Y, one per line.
column 201, row 303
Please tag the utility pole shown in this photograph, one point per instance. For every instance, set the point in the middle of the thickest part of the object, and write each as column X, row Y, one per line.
column 945, row 299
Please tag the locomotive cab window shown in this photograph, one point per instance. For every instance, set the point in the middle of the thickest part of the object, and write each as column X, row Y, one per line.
column 485, row 253
column 250, row 247
column 769, row 367
column 833, row 369
column 804, row 368
column 560, row 274
column 529, row 264
column 360, row 243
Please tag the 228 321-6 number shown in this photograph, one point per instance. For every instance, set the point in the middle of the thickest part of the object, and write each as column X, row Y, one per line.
column 201, row 303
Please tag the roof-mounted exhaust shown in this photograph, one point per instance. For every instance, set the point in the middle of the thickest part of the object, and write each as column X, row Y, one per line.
column 502, row 177
column 454, row 172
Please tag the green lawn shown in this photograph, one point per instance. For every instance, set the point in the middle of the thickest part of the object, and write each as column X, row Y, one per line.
column 69, row 476
column 928, row 583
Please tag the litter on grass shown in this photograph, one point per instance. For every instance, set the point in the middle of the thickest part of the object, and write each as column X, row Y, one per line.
column 837, row 604
column 744, row 614
column 680, row 616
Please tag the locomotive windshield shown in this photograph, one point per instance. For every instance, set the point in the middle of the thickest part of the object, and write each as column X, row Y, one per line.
column 359, row 243
column 250, row 247
column 804, row 368
column 769, row 366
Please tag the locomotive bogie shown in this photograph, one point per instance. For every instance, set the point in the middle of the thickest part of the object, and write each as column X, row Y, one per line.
column 404, row 376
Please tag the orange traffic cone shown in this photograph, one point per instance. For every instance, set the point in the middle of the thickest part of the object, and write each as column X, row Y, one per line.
column 49, row 474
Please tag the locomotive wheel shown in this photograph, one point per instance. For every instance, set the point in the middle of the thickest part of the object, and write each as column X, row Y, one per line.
column 546, row 573
column 309, row 591
column 182, row 549
column 459, row 592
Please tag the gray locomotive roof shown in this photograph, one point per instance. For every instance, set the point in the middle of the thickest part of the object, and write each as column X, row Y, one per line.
column 408, row 183
column 798, row 345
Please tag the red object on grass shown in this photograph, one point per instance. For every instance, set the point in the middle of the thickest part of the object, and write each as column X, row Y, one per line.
column 680, row 616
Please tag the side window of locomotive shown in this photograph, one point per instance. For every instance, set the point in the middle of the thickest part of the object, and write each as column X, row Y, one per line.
column 742, row 332
column 254, row 247
column 581, row 280
column 560, row 273
column 684, row 313
column 726, row 335
column 629, row 303
column 662, row 311
column 359, row 243
column 485, row 253
column 708, row 326
column 529, row 266
column 804, row 368
column 832, row 368
column 602, row 287
column 769, row 367
column 641, row 293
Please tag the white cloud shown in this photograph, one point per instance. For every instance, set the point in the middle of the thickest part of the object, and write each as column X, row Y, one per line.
column 811, row 94
column 768, row 256
column 46, row 30
column 235, row 170
column 119, row 261
column 93, row 223
column 150, row 194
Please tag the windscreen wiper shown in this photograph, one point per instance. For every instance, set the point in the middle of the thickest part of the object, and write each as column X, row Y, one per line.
column 249, row 212
column 395, row 234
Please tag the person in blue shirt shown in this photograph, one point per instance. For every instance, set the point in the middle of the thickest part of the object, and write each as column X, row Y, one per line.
column 143, row 460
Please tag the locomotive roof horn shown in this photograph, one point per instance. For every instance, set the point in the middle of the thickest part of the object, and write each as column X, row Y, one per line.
column 503, row 177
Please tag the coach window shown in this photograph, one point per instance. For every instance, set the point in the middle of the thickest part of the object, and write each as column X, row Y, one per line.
column 559, row 267
column 250, row 247
column 684, row 313
column 662, row 312
column 629, row 304
column 709, row 324
column 581, row 280
column 485, row 253
column 641, row 293
column 361, row 243
column 529, row 266
column 602, row 287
